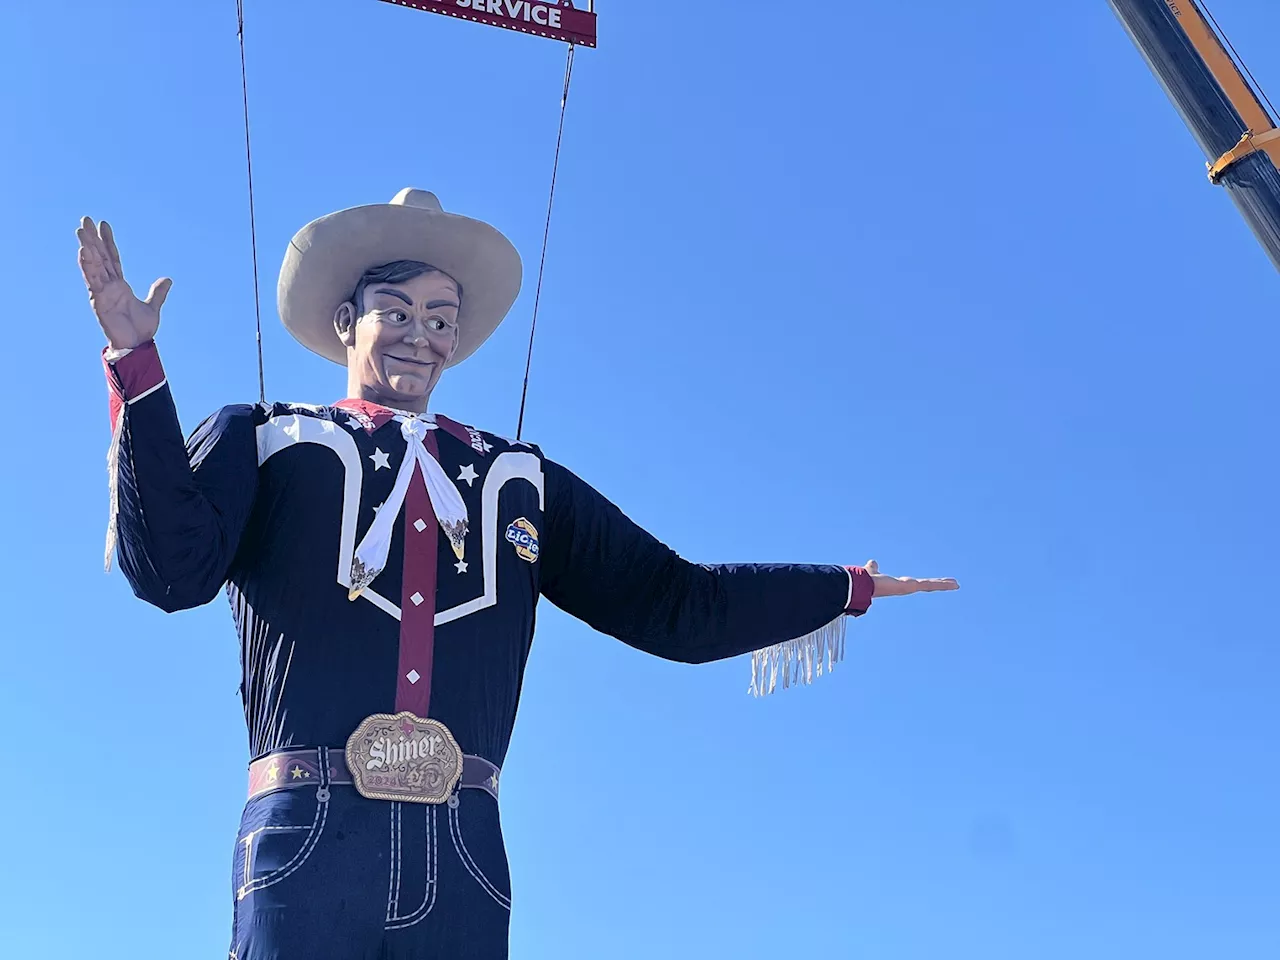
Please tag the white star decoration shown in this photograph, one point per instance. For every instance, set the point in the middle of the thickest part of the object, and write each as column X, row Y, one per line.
column 379, row 507
column 469, row 474
column 355, row 424
column 487, row 445
column 461, row 566
column 381, row 461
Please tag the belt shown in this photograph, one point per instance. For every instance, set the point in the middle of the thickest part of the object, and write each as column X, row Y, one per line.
column 286, row 769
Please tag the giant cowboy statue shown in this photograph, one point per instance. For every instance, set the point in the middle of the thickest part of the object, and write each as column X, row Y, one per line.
column 383, row 564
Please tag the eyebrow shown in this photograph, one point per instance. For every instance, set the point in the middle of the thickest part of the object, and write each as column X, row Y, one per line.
column 433, row 305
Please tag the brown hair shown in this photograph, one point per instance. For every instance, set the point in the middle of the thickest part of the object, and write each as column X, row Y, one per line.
column 397, row 271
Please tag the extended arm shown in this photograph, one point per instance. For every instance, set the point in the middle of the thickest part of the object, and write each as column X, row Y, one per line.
column 603, row 568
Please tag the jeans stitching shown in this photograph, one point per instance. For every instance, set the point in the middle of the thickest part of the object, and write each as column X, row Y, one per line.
column 455, row 832
column 399, row 851
column 302, row 856
column 429, row 897
column 393, row 880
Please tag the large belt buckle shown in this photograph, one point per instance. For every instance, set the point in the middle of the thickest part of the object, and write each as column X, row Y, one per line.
column 404, row 757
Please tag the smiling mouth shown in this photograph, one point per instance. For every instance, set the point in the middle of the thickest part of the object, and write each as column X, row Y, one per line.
column 416, row 363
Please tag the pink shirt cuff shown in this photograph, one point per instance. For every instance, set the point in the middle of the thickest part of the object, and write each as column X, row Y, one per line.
column 861, row 589
column 136, row 375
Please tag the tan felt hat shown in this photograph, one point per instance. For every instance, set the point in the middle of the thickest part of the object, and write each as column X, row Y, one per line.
column 327, row 258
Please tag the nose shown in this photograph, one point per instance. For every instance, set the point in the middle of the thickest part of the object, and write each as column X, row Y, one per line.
column 415, row 336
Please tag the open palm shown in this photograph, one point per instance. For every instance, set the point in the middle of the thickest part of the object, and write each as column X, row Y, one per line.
column 887, row 586
column 126, row 320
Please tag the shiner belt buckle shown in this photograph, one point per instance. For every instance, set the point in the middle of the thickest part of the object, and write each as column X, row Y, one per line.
column 404, row 757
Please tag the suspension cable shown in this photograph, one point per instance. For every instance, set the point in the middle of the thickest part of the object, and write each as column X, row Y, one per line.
column 546, row 231
column 253, row 226
column 253, row 230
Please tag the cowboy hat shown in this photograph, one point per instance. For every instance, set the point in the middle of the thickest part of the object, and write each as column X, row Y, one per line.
column 326, row 259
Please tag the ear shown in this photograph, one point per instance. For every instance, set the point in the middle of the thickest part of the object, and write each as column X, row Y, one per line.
column 344, row 323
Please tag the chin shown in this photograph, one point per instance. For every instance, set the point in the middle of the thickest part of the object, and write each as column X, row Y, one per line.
column 407, row 390
column 409, row 386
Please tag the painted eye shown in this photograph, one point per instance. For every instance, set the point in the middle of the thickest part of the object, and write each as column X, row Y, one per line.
column 399, row 316
column 437, row 324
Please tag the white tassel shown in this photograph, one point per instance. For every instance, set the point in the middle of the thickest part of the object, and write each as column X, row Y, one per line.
column 113, row 488
column 798, row 661
column 451, row 511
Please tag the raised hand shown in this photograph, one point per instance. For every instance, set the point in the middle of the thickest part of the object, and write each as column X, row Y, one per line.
column 902, row 586
column 126, row 320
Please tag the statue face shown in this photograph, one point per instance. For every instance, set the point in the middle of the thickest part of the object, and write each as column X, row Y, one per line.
column 397, row 348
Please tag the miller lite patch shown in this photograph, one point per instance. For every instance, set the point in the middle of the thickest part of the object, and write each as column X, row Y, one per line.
column 522, row 535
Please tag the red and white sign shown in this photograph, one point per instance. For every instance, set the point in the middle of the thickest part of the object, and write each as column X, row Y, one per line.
column 542, row 18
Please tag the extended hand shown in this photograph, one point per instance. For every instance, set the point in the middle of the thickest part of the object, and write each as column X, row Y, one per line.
column 901, row 586
column 126, row 320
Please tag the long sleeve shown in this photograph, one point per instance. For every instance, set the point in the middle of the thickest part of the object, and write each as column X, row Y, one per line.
column 602, row 568
column 178, row 509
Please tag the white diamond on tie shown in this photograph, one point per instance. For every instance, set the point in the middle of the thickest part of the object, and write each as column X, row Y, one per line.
column 419, row 525
column 417, row 599
column 413, row 676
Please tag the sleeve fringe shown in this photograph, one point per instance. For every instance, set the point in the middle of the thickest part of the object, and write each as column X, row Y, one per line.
column 798, row 661
column 113, row 487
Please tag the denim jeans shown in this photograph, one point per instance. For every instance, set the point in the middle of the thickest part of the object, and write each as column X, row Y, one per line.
column 322, row 873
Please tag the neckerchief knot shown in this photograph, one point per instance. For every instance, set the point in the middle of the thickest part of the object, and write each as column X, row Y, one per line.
column 447, row 503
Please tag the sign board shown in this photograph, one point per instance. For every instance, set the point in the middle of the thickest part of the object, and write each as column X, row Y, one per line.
column 542, row 18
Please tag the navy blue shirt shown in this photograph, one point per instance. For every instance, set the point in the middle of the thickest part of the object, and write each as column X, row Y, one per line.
column 268, row 501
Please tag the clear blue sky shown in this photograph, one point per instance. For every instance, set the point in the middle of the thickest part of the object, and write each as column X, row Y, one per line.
column 942, row 284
